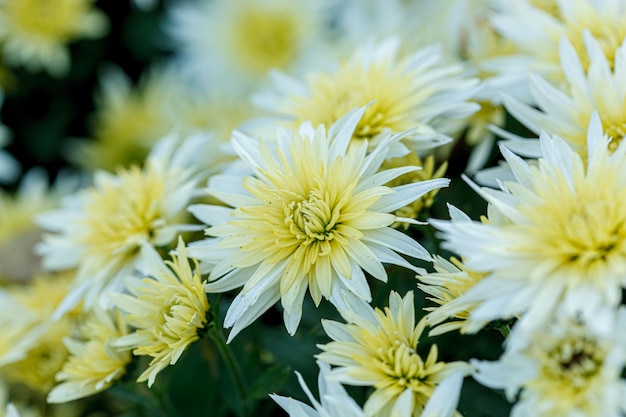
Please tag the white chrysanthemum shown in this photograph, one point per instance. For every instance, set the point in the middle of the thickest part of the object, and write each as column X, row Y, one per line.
column 602, row 88
column 94, row 363
column 167, row 309
column 335, row 401
column 232, row 45
column 379, row 348
column 561, row 237
column 314, row 216
column 536, row 32
column 36, row 33
column 404, row 92
column 567, row 369
column 99, row 230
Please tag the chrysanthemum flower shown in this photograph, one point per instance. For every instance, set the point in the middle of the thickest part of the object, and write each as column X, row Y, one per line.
column 568, row 368
column 404, row 92
column 537, row 32
column 100, row 229
column 567, row 113
column 335, row 401
column 561, row 237
column 234, row 44
column 378, row 348
column 94, row 363
column 35, row 33
column 167, row 308
column 314, row 216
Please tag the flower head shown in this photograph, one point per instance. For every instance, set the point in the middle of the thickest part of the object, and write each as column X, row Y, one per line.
column 335, row 401
column 314, row 216
column 100, row 229
column 234, row 44
column 35, row 33
column 404, row 92
column 93, row 363
column 567, row 368
column 566, row 113
column 379, row 348
column 538, row 49
column 559, row 236
column 167, row 308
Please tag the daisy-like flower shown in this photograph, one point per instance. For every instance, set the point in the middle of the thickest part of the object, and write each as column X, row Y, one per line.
column 560, row 238
column 567, row 113
column 314, row 216
column 100, row 229
column 537, row 31
column 166, row 308
column 335, row 401
column 404, row 92
column 378, row 348
column 567, row 369
column 36, row 33
column 234, row 44
column 94, row 363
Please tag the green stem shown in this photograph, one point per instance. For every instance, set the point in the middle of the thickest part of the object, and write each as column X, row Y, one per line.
column 216, row 335
column 505, row 330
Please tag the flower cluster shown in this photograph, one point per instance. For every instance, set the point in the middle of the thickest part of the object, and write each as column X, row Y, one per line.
column 272, row 185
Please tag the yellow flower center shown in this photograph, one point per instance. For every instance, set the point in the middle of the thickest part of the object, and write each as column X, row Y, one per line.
column 312, row 219
column 119, row 216
column 53, row 20
column 402, row 363
column 616, row 132
column 392, row 355
column 266, row 38
column 332, row 95
column 579, row 232
column 569, row 366
column 574, row 362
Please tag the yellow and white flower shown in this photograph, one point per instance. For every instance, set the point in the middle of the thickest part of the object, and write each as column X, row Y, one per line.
column 379, row 348
column 233, row 45
column 560, row 239
column 314, row 216
column 335, row 401
column 167, row 309
column 537, row 31
column 601, row 87
column 415, row 91
column 36, row 33
column 568, row 368
column 94, row 364
column 100, row 230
